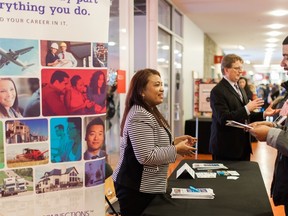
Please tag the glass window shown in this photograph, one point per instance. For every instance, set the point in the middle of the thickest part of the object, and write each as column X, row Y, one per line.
column 178, row 27
column 164, row 14
column 164, row 67
column 178, row 103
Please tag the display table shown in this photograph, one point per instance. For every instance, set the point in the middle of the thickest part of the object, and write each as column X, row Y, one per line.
column 245, row 196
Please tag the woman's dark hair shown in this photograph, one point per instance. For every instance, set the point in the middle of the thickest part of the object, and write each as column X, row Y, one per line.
column 74, row 80
column 94, row 82
column 246, row 88
column 134, row 96
column 15, row 104
column 246, row 82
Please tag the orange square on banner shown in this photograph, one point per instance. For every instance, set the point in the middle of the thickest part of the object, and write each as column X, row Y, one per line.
column 121, row 81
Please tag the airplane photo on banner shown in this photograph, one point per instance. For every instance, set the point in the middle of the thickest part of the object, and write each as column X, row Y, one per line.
column 12, row 56
column 19, row 57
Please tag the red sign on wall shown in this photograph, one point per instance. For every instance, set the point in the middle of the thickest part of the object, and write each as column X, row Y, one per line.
column 121, row 81
column 217, row 59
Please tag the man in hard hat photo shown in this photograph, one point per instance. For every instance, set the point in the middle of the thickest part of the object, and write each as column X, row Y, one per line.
column 52, row 58
column 67, row 59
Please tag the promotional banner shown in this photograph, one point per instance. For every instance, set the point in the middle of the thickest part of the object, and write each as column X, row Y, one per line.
column 53, row 72
column 202, row 89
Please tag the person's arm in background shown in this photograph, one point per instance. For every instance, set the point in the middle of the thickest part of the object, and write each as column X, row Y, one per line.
column 275, row 137
column 221, row 109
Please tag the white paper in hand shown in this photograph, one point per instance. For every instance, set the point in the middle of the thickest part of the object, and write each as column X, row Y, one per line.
column 237, row 124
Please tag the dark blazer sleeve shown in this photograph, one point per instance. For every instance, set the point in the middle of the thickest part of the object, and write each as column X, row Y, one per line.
column 226, row 104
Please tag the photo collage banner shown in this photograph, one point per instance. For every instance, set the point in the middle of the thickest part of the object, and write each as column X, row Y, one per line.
column 53, row 79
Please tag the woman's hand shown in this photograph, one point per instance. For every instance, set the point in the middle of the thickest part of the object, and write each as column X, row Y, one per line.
column 190, row 140
column 184, row 148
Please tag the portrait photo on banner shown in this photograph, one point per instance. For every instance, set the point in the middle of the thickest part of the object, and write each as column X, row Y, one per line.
column 65, row 54
column 73, row 91
column 94, row 172
column 24, row 97
column 66, row 139
column 95, row 145
column 100, row 54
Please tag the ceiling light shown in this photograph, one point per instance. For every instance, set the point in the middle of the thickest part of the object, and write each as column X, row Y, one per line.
column 165, row 47
column 267, row 58
column 241, row 47
column 270, row 49
column 272, row 40
column 111, row 43
column 274, row 33
column 276, row 26
column 271, row 45
column 279, row 12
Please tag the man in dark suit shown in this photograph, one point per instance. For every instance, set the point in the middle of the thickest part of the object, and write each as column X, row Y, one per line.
column 276, row 136
column 229, row 102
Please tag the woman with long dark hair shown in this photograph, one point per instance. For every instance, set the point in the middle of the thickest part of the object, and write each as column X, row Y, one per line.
column 147, row 146
column 96, row 91
column 243, row 83
column 8, row 99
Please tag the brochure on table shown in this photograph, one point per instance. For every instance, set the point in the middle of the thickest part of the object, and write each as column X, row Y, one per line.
column 188, row 193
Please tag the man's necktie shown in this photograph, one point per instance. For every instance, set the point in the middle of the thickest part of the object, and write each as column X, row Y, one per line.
column 63, row 55
column 239, row 92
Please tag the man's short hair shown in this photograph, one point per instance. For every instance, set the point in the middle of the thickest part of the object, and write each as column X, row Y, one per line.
column 60, row 126
column 228, row 60
column 95, row 121
column 285, row 41
column 58, row 75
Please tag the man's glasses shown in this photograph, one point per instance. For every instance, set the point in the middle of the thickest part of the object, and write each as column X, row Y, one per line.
column 239, row 69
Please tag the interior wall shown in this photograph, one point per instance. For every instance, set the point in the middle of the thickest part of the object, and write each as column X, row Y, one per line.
column 140, row 39
column 210, row 48
column 193, row 62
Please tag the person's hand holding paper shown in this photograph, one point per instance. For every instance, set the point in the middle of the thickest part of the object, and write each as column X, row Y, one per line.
column 238, row 124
